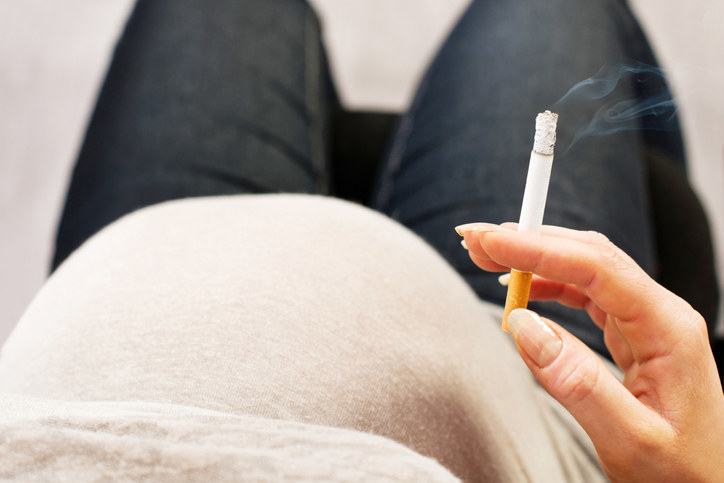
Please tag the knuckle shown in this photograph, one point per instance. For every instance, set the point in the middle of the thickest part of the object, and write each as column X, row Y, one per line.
column 579, row 381
column 613, row 260
column 695, row 325
column 607, row 258
column 597, row 238
column 610, row 255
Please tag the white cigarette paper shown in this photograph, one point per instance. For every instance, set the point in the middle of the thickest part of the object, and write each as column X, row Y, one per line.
column 534, row 203
column 539, row 173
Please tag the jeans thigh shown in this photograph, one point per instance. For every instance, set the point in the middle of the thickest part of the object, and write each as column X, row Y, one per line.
column 461, row 153
column 203, row 97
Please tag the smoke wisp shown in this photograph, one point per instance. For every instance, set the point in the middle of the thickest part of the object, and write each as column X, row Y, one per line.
column 653, row 107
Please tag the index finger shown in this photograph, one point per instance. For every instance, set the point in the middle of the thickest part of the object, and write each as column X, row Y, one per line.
column 649, row 316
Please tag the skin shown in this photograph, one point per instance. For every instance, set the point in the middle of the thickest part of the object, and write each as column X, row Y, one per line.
column 665, row 422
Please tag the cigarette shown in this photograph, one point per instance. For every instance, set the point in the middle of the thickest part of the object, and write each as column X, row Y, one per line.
column 534, row 203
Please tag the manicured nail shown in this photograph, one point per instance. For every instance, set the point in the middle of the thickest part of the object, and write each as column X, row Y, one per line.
column 534, row 336
column 461, row 229
column 465, row 245
column 504, row 279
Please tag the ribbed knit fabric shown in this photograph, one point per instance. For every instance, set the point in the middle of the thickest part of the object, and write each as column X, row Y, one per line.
column 44, row 440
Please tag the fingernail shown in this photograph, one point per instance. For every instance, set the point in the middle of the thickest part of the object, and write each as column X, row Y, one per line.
column 465, row 245
column 534, row 336
column 504, row 279
column 461, row 229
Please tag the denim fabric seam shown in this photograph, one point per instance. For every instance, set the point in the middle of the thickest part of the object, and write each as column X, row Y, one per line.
column 312, row 68
column 394, row 160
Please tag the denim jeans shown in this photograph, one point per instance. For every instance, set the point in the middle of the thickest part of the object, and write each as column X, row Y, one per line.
column 217, row 97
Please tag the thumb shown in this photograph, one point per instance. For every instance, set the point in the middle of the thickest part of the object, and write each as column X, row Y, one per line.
column 575, row 376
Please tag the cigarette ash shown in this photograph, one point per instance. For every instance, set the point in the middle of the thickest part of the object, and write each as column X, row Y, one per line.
column 545, row 133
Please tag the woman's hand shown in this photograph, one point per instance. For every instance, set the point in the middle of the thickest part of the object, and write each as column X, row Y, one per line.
column 666, row 421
